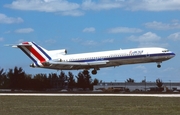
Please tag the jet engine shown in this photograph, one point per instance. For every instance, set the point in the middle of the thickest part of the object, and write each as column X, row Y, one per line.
column 32, row 65
column 61, row 52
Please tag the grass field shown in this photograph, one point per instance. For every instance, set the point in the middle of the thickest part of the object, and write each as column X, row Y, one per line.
column 86, row 105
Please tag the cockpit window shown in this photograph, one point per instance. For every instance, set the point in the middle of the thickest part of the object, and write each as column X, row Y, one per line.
column 165, row 50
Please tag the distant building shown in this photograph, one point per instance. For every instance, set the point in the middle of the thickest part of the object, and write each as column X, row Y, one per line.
column 141, row 86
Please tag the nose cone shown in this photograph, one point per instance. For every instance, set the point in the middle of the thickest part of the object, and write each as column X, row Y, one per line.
column 172, row 55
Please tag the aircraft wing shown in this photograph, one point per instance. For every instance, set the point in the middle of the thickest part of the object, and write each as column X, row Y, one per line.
column 75, row 65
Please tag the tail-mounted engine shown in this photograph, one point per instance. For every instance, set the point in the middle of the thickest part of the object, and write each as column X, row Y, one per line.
column 32, row 65
column 61, row 52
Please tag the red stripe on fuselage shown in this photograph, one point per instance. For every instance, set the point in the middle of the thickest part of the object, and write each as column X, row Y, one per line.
column 35, row 53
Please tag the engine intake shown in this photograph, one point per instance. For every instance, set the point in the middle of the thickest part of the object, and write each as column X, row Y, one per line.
column 32, row 65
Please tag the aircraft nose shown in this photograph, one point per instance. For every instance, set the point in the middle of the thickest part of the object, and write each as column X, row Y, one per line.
column 172, row 55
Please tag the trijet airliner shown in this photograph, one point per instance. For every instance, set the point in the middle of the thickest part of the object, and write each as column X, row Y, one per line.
column 60, row 60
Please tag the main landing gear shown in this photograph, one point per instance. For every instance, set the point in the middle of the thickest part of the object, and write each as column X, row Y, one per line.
column 94, row 72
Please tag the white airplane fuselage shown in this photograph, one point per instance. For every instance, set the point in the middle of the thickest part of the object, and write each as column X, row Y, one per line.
column 59, row 60
column 120, row 57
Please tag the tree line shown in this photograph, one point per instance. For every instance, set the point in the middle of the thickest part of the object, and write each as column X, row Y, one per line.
column 17, row 79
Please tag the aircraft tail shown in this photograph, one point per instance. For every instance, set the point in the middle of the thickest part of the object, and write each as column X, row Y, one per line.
column 38, row 54
column 35, row 52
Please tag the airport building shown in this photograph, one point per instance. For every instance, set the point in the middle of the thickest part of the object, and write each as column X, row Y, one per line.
column 141, row 86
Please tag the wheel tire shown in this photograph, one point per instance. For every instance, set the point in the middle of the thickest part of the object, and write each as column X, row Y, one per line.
column 158, row 66
column 94, row 72
column 85, row 72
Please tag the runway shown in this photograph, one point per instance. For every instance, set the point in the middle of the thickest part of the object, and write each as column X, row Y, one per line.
column 67, row 94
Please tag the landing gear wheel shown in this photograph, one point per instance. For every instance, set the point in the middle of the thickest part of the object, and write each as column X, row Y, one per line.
column 85, row 72
column 94, row 72
column 159, row 66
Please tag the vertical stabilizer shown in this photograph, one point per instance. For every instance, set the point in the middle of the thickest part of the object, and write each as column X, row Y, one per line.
column 35, row 52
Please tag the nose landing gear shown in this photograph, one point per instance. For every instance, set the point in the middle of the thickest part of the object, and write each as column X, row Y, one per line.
column 158, row 65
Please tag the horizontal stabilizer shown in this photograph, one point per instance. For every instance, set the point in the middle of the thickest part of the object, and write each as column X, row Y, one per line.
column 16, row 46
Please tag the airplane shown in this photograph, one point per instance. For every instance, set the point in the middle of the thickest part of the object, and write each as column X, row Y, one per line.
column 60, row 60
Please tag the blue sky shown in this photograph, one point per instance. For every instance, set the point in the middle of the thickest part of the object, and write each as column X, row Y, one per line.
column 93, row 25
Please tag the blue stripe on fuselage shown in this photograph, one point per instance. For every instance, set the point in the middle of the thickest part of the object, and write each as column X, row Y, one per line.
column 124, row 57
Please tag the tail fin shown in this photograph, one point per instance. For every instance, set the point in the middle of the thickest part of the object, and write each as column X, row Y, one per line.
column 35, row 52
